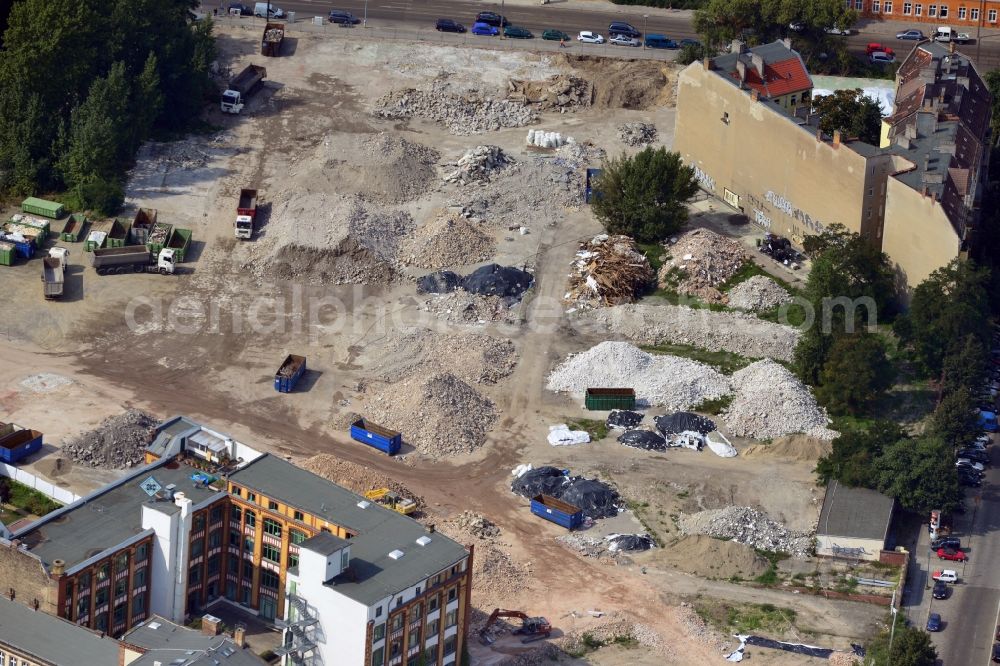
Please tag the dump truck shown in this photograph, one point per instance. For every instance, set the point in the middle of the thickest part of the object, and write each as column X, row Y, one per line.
column 179, row 242
column 142, row 225
column 289, row 374
column 270, row 43
column 132, row 259
column 72, row 231
column 375, row 436
column 241, row 87
column 246, row 213
column 393, row 500
column 54, row 272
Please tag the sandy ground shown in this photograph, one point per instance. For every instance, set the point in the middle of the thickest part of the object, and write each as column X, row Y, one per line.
column 206, row 343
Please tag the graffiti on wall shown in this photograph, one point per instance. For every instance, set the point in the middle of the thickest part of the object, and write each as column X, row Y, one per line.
column 704, row 179
column 761, row 219
column 843, row 551
column 789, row 209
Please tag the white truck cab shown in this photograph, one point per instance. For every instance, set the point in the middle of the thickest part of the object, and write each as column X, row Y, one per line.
column 244, row 226
column 232, row 101
column 165, row 261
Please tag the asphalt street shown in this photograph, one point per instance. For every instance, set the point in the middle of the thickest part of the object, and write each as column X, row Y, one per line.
column 969, row 614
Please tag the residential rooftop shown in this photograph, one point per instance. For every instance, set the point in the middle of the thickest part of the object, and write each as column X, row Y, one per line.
column 773, row 70
column 166, row 643
column 52, row 640
column 857, row 513
column 376, row 569
column 109, row 516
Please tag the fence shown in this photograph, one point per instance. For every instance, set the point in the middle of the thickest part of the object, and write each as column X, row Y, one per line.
column 48, row 489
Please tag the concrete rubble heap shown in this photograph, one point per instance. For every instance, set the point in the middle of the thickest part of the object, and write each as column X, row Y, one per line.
column 353, row 476
column 753, row 527
column 769, row 401
column 118, row 443
column 637, row 134
column 478, row 164
column 704, row 260
column 559, row 92
column 472, row 113
column 608, row 270
column 448, row 240
column 757, row 294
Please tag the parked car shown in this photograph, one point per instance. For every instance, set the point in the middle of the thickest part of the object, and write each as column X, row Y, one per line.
column 588, row 37
column 624, row 40
column 934, row 622
column 975, row 455
column 266, row 10
column 996, row 652
column 946, row 575
column 484, row 29
column 911, row 34
column 660, row 42
column 881, row 58
column 845, row 32
column 515, row 32
column 965, row 462
column 952, row 554
column 493, row 19
column 623, row 28
column 946, row 542
column 874, row 47
column 343, row 18
column 969, row 481
column 245, row 10
column 447, row 25
column 940, row 590
column 689, row 42
column 555, row 35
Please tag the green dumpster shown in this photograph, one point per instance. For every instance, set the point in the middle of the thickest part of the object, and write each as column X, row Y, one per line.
column 73, row 229
column 36, row 206
column 6, row 253
column 604, row 399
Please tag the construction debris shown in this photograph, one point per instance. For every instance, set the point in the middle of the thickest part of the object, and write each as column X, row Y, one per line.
column 558, row 92
column 461, row 307
column 643, row 439
column 472, row 113
column 475, row 524
column 700, row 261
column 637, row 134
column 757, row 294
column 119, row 442
column 355, row 477
column 483, row 359
column 441, row 282
column 745, row 524
column 595, row 498
column 608, row 270
column 478, row 164
column 449, row 240
column 679, row 422
column 629, row 542
column 770, row 401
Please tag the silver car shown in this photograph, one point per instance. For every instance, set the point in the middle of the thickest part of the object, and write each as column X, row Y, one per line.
column 624, row 40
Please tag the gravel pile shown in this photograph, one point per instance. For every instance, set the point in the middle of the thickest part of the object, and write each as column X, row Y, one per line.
column 769, row 401
column 497, row 578
column 673, row 382
column 704, row 260
column 473, row 113
column 119, row 442
column 461, row 307
column 482, row 359
column 475, row 525
column 745, row 524
column 757, row 294
column 450, row 240
column 560, row 92
column 439, row 416
column 734, row 332
column 478, row 164
column 637, row 134
column 354, row 477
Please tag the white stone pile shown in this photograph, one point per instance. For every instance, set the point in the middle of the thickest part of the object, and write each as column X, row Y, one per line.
column 770, row 401
column 758, row 294
column 750, row 526
column 543, row 139
column 462, row 115
column 478, row 164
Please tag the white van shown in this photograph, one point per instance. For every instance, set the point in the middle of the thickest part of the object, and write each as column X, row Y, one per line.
column 943, row 34
column 261, row 10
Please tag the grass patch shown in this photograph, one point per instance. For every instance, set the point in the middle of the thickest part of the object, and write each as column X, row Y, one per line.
column 638, row 509
column 790, row 314
column 725, row 362
column 655, row 254
column 29, row 500
column 596, row 429
column 845, row 422
column 714, row 406
column 746, row 618
column 749, row 269
column 770, row 577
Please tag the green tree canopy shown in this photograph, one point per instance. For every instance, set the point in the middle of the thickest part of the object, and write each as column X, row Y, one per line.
column 965, row 366
column 644, row 196
column 955, row 420
column 852, row 458
column 911, row 646
column 856, row 373
column 762, row 21
column 852, row 112
column 920, row 474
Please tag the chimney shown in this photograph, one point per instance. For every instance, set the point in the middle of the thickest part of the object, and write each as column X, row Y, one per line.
column 836, row 138
column 741, row 70
column 11, row 592
column 819, row 135
column 210, row 625
column 58, row 567
column 34, row 604
column 787, row 42
column 738, row 46
column 430, row 528
column 240, row 635
column 707, row 63
column 754, row 95
column 758, row 63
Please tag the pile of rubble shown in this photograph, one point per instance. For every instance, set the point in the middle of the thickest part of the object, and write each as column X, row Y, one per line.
column 441, row 415
column 608, row 270
column 476, row 525
column 461, row 307
column 558, row 92
column 483, row 359
column 478, row 164
column 758, row 294
column 695, row 627
column 497, row 578
column 473, row 113
column 704, row 260
column 637, row 134
column 747, row 525
column 119, row 442
column 735, row 332
column 449, row 240
column 615, row 625
column 770, row 401
column 673, row 382
column 355, row 477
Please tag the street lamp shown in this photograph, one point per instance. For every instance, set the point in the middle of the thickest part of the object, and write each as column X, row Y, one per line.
column 364, row 22
column 644, row 18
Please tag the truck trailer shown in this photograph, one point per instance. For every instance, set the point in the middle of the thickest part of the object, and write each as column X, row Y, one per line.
column 270, row 43
column 246, row 214
column 241, row 87
column 132, row 259
column 54, row 272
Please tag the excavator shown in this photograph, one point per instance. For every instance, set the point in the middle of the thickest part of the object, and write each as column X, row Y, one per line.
column 532, row 628
column 393, row 500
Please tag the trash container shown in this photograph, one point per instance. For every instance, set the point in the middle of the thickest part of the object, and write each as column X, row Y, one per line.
column 290, row 17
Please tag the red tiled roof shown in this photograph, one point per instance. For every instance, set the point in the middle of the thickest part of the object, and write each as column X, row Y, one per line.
column 780, row 78
column 961, row 179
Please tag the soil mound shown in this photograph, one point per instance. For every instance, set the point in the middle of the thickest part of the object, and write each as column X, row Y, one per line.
column 709, row 557
column 625, row 84
column 797, row 448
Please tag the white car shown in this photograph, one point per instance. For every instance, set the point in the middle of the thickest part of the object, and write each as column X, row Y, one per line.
column 837, row 31
column 948, row 576
column 624, row 40
column 588, row 37
column 965, row 462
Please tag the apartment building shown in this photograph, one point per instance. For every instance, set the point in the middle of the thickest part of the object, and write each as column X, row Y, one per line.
column 211, row 520
column 915, row 195
column 964, row 14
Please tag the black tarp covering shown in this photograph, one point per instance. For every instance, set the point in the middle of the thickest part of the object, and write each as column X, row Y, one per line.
column 630, row 542
column 678, row 422
column 442, row 282
column 540, row 481
column 797, row 648
column 624, row 419
column 643, row 439
column 595, row 498
column 496, row 280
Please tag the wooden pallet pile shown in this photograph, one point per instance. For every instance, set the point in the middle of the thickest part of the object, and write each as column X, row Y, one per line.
column 608, row 270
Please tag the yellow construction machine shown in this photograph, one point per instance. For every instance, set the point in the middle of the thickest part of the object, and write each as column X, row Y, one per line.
column 393, row 500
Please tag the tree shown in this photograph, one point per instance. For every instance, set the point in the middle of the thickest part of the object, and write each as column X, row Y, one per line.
column 853, row 454
column 856, row 373
column 956, row 419
column 920, row 474
column 644, row 196
column 992, row 79
column 852, row 112
column 911, row 646
column 965, row 366
column 762, row 21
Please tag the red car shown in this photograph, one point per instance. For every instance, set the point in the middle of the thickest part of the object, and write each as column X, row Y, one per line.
column 955, row 555
column 875, row 46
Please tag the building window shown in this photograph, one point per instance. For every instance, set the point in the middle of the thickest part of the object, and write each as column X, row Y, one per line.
column 121, row 562
column 139, row 604
column 83, row 583
column 296, row 536
column 293, row 560
column 433, row 603
column 345, row 560
column 194, row 575
column 214, row 565
column 943, row 13
column 974, row 13
column 399, row 601
column 101, row 597
column 992, row 16
column 395, row 648
column 237, row 491
column 378, row 657
column 140, row 553
column 272, row 505
column 918, row 9
column 888, row 7
column 725, row 117
column 102, row 573
column 451, row 619
column 379, row 633
column 82, row 606
column 216, row 514
column 961, row 13
column 416, row 612
column 859, row 4
column 250, row 519
column 378, row 611
column 215, row 539
column 251, row 496
column 269, row 579
column 248, row 544
column 121, row 586
column 876, row 6
column 197, row 547
column 236, row 513
column 450, row 645
column 247, row 570
column 433, row 627
column 199, row 522
column 452, row 594
column 269, row 552
column 397, row 622
column 932, row 10
column 907, row 8
column 120, row 614
column 272, row 527
column 414, row 638
column 299, row 516
column 139, row 578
